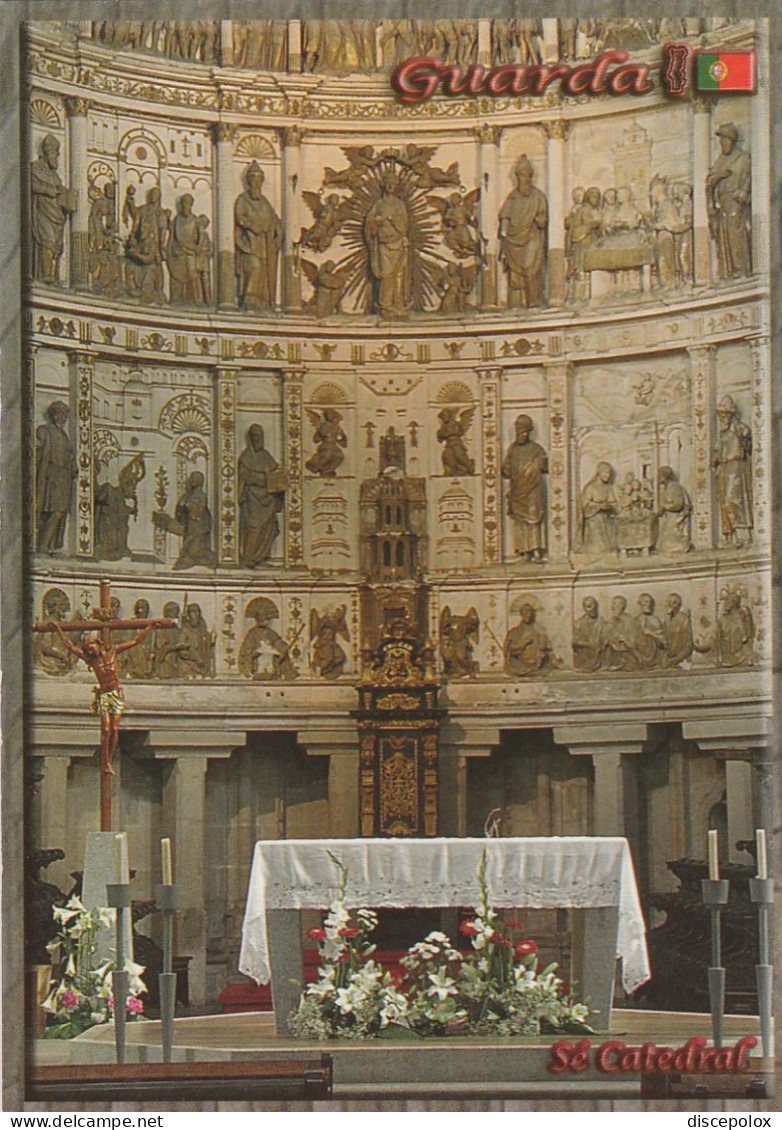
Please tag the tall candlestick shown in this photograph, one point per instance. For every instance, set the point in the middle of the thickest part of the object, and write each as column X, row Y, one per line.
column 714, row 856
column 121, row 841
column 762, row 854
column 165, row 859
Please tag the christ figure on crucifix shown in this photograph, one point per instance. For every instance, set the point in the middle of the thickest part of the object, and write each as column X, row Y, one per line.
column 108, row 700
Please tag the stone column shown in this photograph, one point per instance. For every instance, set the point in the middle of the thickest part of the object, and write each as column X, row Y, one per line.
column 77, row 110
column 556, row 132
column 52, row 830
column 294, row 470
column 609, row 818
column 225, row 197
column 343, row 794
column 492, row 461
column 761, row 415
column 227, row 43
column 763, row 788
column 294, row 46
column 489, row 183
column 758, row 145
column 701, row 107
column 738, row 779
column 550, row 40
column 82, row 371
column 558, row 374
column 182, row 818
column 484, row 42
column 291, row 221
column 702, row 371
column 227, row 510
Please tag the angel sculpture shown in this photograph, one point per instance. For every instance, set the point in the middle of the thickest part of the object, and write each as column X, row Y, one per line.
column 330, row 439
column 417, row 158
column 455, row 287
column 458, row 216
column 451, row 433
column 328, row 283
column 458, row 634
column 328, row 658
column 361, row 158
column 328, row 215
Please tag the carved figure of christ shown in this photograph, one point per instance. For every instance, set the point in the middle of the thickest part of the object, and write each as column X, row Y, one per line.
column 100, row 655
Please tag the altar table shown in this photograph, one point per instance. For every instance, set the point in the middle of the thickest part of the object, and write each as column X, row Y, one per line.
column 591, row 873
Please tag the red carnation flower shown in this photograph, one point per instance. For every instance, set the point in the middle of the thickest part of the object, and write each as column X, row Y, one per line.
column 317, row 934
column 499, row 939
column 468, row 928
column 348, row 932
column 525, row 948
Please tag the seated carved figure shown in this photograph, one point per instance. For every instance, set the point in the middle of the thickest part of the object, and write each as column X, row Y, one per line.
column 527, row 647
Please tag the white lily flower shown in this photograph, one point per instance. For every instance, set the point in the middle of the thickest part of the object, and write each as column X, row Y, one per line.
column 441, row 985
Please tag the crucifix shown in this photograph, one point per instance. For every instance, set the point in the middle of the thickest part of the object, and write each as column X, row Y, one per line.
column 100, row 655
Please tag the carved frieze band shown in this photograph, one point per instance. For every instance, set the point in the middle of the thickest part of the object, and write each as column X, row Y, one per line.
column 294, row 524
column 761, row 413
column 83, row 369
column 492, row 493
column 226, row 438
column 702, row 362
column 557, row 375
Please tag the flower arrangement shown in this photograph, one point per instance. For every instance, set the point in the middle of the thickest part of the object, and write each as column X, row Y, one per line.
column 499, row 988
column 83, row 997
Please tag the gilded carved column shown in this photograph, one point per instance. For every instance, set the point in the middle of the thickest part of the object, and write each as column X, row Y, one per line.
column 291, row 221
column 761, row 414
column 294, row 46
column 492, row 456
column 701, row 109
column 702, row 372
column 557, row 376
column 77, row 110
column 294, row 471
column 226, row 42
column 82, row 365
column 489, row 183
column 550, row 40
column 556, row 132
column 227, row 505
column 484, row 42
column 225, row 198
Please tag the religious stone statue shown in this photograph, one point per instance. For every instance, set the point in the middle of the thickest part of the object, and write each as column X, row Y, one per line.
column 138, row 662
column 55, row 470
column 728, row 189
column 583, row 229
column 460, row 225
column 50, row 205
column 527, row 647
column 145, row 250
column 264, row 654
column 103, row 241
column 194, row 646
column 599, row 508
column 523, row 223
column 330, row 439
column 328, row 214
column 258, row 239
column 203, row 263
column 525, row 465
column 458, row 635
column 677, row 629
column 636, row 526
column 261, row 493
column 649, row 634
column 621, row 638
column 328, row 658
column 182, row 255
column 735, row 636
column 328, row 283
column 733, row 469
column 49, row 653
column 674, row 510
column 114, row 505
column 192, row 522
column 386, row 233
column 454, row 425
column 165, row 661
column 590, row 638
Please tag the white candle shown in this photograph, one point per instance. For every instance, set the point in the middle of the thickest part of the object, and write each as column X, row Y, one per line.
column 760, row 843
column 121, row 841
column 714, row 855
column 165, row 860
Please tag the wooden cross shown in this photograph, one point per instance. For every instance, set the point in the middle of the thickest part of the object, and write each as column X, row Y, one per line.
column 100, row 655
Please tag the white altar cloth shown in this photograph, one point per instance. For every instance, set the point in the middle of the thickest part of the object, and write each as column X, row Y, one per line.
column 544, row 871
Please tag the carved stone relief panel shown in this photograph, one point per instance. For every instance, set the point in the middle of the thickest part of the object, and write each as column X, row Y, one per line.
column 525, row 465
column 265, row 479
column 733, row 445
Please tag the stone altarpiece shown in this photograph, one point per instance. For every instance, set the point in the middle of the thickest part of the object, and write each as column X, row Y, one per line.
column 290, row 480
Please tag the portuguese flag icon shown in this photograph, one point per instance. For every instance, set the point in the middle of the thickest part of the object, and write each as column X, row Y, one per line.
column 725, row 70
